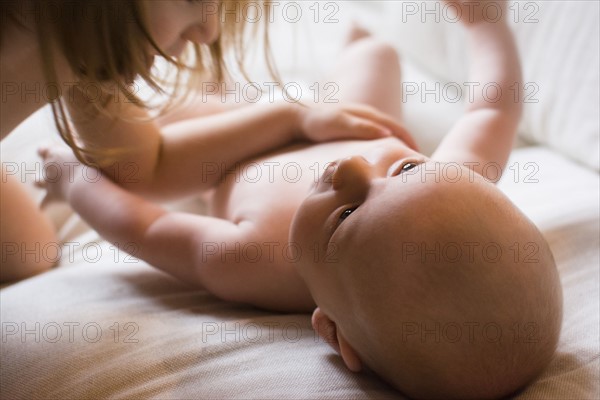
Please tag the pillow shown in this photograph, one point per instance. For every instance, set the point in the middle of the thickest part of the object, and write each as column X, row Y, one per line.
column 561, row 62
column 559, row 46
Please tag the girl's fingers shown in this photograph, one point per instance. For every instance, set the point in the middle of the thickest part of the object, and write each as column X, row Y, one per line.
column 370, row 130
column 387, row 122
column 403, row 135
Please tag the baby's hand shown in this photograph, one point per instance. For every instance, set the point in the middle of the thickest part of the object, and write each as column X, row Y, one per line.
column 61, row 168
column 349, row 121
column 473, row 12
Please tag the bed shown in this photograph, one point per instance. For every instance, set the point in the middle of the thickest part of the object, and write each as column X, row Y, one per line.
column 106, row 325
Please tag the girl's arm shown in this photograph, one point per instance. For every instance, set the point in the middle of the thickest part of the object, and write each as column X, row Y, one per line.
column 174, row 162
column 485, row 133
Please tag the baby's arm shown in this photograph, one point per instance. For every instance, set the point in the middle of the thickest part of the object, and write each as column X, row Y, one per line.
column 485, row 133
column 168, row 240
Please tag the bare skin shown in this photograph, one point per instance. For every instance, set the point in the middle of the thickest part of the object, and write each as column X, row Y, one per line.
column 246, row 211
column 150, row 163
column 344, row 229
column 23, row 224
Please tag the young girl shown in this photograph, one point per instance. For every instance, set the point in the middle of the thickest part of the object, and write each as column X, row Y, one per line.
column 82, row 58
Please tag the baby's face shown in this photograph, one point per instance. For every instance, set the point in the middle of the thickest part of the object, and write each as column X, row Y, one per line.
column 364, row 226
column 346, row 216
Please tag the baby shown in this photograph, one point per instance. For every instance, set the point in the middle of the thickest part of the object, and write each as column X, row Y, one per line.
column 420, row 268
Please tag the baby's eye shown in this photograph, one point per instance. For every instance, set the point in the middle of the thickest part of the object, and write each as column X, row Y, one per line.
column 401, row 167
column 346, row 213
column 408, row 166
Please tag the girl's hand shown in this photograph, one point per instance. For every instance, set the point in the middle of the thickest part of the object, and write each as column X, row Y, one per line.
column 350, row 121
column 61, row 169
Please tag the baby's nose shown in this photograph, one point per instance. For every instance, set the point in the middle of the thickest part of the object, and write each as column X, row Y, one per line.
column 352, row 172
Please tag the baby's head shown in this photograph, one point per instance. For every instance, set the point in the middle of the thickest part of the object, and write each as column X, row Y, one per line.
column 428, row 275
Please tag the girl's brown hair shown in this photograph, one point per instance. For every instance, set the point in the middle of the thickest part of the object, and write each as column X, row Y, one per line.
column 101, row 42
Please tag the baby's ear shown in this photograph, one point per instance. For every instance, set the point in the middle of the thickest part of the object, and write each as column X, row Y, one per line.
column 327, row 330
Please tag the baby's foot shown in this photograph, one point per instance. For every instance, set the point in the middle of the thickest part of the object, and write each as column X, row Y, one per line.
column 356, row 33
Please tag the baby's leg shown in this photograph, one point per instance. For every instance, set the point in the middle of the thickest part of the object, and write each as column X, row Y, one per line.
column 368, row 72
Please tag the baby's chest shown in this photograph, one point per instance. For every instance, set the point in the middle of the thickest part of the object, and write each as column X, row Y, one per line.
column 262, row 193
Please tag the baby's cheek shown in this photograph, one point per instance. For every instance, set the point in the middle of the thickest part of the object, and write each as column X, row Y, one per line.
column 303, row 223
column 296, row 227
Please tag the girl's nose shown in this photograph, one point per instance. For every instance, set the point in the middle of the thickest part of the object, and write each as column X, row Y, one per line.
column 353, row 174
column 205, row 32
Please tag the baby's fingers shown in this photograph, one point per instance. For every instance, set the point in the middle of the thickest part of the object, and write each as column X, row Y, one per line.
column 42, row 151
column 45, row 149
column 53, row 150
column 40, row 183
